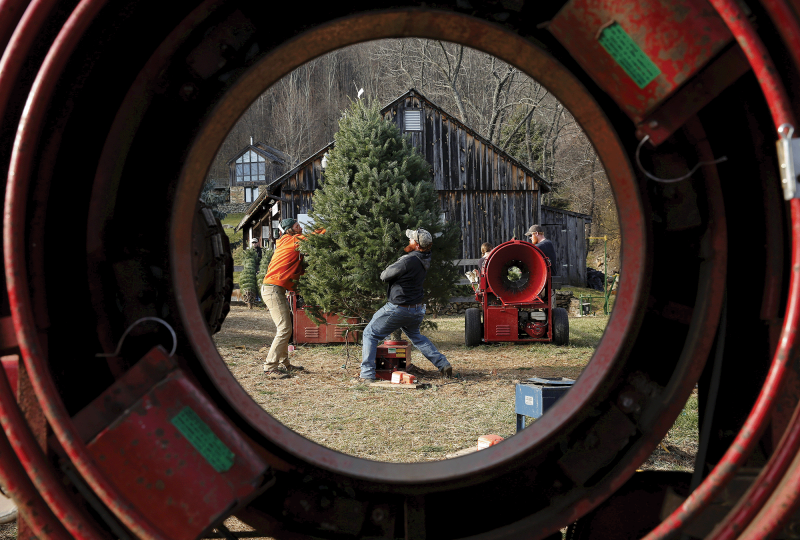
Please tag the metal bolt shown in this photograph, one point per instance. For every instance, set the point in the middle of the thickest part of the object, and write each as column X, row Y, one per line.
column 626, row 402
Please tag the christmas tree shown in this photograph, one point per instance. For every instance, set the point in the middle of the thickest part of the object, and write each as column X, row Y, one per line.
column 247, row 279
column 375, row 186
column 263, row 266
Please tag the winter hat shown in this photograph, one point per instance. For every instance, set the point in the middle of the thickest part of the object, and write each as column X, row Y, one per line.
column 420, row 236
column 286, row 223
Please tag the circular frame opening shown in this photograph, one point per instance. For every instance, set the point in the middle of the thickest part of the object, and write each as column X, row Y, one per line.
column 511, row 48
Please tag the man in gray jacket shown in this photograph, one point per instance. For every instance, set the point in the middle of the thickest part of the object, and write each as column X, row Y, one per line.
column 404, row 308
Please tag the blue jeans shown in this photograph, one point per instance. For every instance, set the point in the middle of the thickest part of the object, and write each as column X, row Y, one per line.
column 385, row 321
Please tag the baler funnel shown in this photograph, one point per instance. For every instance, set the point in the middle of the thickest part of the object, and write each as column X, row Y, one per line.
column 505, row 282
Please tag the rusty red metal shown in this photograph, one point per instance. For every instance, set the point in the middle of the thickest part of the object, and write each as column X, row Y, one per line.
column 11, row 367
column 156, row 436
column 666, row 44
column 293, row 451
column 335, row 329
column 10, row 13
column 690, row 98
column 25, row 432
column 772, row 499
column 756, row 422
column 15, row 234
column 35, row 513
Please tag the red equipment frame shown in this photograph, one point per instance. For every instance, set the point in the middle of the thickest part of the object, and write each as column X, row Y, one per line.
column 501, row 306
column 304, row 330
column 79, row 101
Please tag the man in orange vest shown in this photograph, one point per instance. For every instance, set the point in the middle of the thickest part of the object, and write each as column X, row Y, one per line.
column 284, row 269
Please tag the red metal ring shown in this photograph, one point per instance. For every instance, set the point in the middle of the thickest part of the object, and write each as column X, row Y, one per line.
column 31, row 506
column 20, row 437
column 14, row 238
column 439, row 25
column 745, row 441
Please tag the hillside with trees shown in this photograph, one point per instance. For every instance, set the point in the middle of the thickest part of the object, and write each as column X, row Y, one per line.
column 300, row 114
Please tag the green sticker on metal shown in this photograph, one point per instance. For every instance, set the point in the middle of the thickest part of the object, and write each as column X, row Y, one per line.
column 628, row 55
column 203, row 439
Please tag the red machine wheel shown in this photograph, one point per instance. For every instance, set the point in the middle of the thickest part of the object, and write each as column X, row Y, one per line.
column 473, row 329
column 560, row 326
column 213, row 267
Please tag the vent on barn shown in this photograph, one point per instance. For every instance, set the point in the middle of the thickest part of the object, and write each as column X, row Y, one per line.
column 412, row 120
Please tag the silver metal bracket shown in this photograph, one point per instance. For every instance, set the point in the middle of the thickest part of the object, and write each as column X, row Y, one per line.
column 789, row 160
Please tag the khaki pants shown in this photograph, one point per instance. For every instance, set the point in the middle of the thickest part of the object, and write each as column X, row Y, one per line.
column 275, row 299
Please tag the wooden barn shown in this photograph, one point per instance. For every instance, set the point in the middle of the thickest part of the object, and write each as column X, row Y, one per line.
column 567, row 231
column 493, row 196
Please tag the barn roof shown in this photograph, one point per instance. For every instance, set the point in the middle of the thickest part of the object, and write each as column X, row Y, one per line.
column 546, row 187
column 265, row 151
column 270, row 188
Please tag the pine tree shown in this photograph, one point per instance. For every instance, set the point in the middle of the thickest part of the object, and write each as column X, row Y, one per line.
column 375, row 186
column 247, row 279
column 263, row 266
column 212, row 199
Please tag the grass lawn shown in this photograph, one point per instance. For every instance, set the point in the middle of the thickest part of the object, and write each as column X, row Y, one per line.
column 328, row 404
column 233, row 220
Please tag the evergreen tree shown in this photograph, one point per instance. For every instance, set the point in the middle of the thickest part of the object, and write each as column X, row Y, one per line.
column 247, row 279
column 266, row 256
column 213, row 199
column 375, row 186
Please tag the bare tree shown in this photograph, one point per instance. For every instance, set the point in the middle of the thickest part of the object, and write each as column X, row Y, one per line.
column 299, row 113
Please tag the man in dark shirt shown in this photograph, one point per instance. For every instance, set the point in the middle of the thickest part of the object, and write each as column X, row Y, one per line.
column 257, row 246
column 404, row 308
column 536, row 232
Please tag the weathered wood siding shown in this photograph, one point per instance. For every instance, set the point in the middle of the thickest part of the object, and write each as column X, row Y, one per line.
column 299, row 187
column 567, row 231
column 460, row 159
column 487, row 193
column 489, row 216
column 480, row 187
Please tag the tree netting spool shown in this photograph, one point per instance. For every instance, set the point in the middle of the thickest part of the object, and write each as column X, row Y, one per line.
column 516, row 272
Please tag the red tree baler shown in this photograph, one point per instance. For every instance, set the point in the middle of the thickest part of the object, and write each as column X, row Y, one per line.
column 516, row 296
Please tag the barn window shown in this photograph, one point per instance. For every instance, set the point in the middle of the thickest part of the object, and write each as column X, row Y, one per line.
column 251, row 167
column 412, row 119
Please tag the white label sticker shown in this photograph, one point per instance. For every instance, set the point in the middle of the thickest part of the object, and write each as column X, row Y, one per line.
column 528, row 400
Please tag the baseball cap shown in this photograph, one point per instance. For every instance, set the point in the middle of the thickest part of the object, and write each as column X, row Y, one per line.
column 255, row 241
column 533, row 229
column 420, row 236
